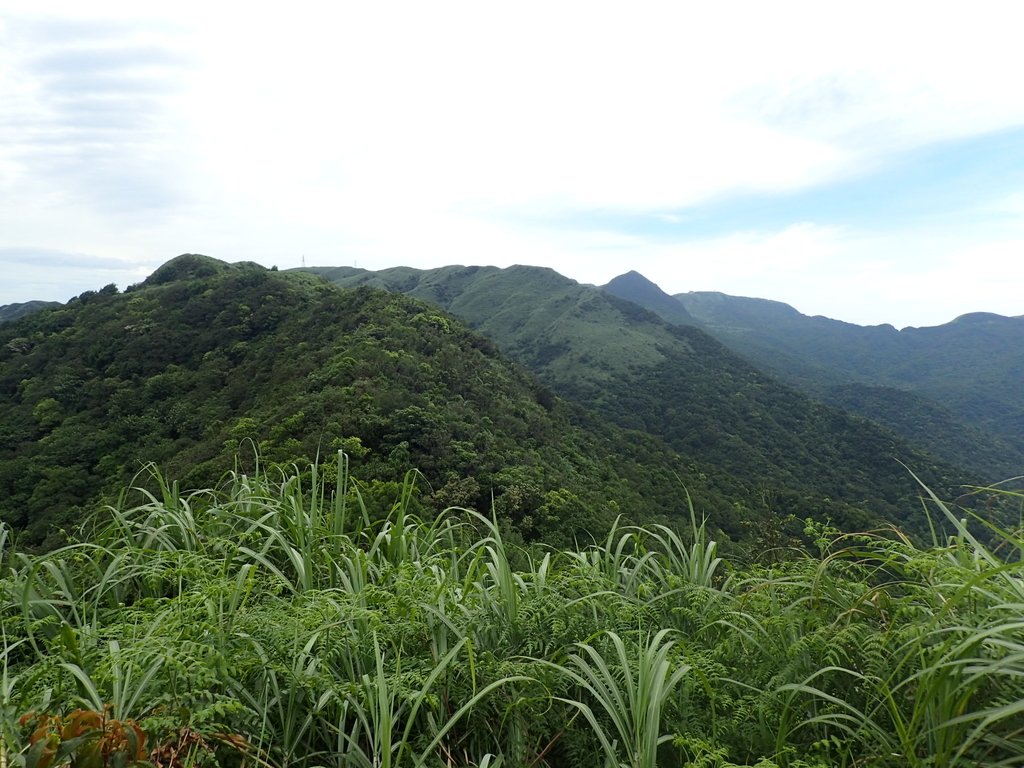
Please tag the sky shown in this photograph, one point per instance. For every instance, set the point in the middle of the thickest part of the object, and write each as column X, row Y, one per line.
column 863, row 161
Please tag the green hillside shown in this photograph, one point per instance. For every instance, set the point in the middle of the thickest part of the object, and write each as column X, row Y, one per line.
column 636, row 288
column 677, row 383
column 930, row 424
column 972, row 366
column 206, row 361
column 14, row 311
column 907, row 381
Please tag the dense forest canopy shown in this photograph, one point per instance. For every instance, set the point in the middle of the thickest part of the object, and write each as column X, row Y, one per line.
column 205, row 362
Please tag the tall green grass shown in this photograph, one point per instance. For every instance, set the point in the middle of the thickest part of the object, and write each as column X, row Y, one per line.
column 279, row 621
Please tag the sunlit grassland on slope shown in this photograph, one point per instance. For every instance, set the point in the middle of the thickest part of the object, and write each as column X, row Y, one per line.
column 280, row 621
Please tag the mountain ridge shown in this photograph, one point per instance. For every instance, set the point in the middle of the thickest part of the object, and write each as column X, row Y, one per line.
column 187, row 369
column 9, row 312
column 674, row 381
column 634, row 287
column 825, row 357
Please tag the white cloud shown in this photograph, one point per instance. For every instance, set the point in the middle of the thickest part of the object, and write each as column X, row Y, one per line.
column 902, row 278
column 588, row 106
column 428, row 133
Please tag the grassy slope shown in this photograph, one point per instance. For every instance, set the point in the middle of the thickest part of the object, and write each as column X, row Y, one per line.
column 674, row 382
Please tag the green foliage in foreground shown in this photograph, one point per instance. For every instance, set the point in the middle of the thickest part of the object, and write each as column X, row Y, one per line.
column 267, row 623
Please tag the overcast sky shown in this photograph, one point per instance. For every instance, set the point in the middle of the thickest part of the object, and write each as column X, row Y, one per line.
column 863, row 161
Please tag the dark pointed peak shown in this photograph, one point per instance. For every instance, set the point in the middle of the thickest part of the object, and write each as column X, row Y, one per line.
column 634, row 287
column 632, row 279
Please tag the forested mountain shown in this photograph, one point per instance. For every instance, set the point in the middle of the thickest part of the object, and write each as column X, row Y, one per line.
column 634, row 287
column 205, row 360
column 957, row 389
column 14, row 311
column 675, row 382
column 310, row 607
column 929, row 424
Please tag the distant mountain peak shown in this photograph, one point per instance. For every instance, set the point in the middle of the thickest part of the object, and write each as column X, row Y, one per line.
column 634, row 287
column 633, row 278
column 980, row 318
column 20, row 309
